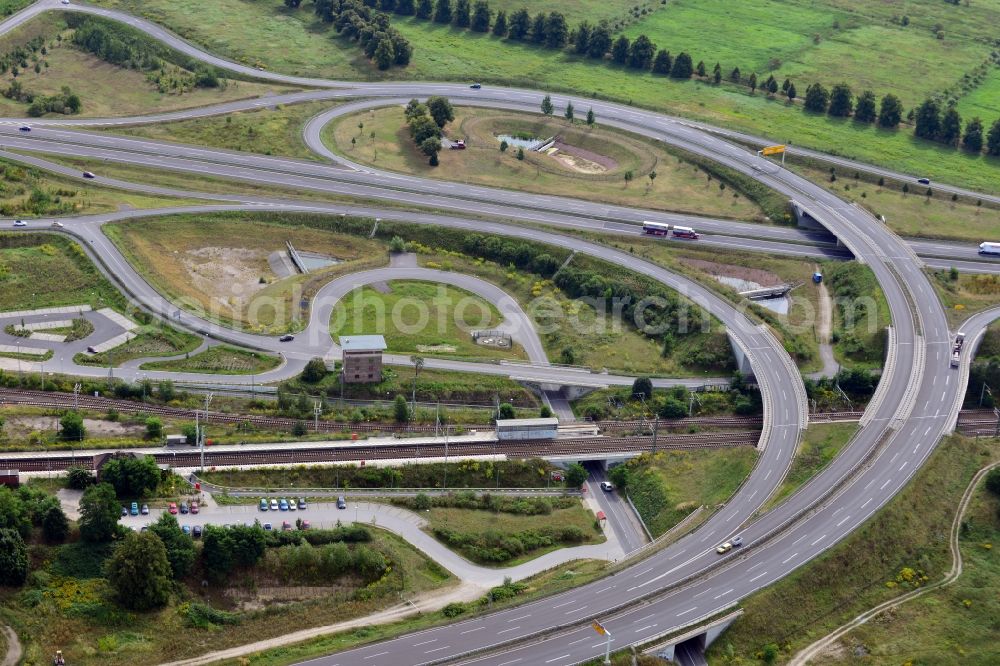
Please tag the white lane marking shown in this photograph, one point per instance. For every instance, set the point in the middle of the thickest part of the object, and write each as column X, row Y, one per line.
column 701, row 593
column 866, row 502
column 433, row 640
column 469, row 631
column 767, row 475
column 445, row 647
column 504, row 631
column 818, row 540
column 565, row 604
column 887, row 482
column 689, row 610
column 927, row 432
column 843, row 521
column 549, row 661
column 755, row 566
column 724, row 593
column 575, row 610
column 796, row 542
column 760, row 575
column 377, row 654
column 529, row 614
column 507, row 663
column 603, row 589
column 642, row 629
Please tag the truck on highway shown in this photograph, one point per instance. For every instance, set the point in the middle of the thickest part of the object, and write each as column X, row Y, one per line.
column 989, row 248
column 661, row 229
column 956, row 350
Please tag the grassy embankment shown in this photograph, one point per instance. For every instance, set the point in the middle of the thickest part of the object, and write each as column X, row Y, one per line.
column 29, row 192
column 106, row 89
column 677, row 186
column 220, row 359
column 422, row 318
column 276, row 131
column 668, row 485
column 964, row 294
column 816, row 43
column 820, row 444
column 870, row 566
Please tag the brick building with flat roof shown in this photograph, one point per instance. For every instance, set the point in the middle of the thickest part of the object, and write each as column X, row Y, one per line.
column 362, row 358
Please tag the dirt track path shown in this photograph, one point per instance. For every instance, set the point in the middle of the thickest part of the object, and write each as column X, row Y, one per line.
column 13, row 647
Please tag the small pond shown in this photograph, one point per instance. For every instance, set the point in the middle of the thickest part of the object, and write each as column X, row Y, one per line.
column 528, row 144
column 779, row 305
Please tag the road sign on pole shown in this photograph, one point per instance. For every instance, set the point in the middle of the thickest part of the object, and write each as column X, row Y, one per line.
column 602, row 630
column 772, row 150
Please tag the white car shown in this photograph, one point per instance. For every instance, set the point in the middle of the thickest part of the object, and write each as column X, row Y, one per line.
column 607, row 486
column 58, row 224
column 20, row 223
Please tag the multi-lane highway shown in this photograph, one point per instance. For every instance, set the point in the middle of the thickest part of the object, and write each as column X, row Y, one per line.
column 916, row 403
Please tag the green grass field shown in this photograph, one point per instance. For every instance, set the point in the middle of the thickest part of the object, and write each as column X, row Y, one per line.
column 820, row 444
column 910, row 532
column 152, row 341
column 668, row 485
column 677, row 186
column 104, row 89
column 219, row 360
column 275, row 131
column 868, row 46
column 421, row 318
column 46, row 270
column 956, row 624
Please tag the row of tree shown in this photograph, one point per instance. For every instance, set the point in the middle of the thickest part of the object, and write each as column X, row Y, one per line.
column 362, row 22
column 930, row 123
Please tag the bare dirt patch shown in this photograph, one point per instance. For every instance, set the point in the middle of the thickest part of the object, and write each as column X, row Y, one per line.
column 760, row 276
column 227, row 274
column 582, row 160
column 20, row 426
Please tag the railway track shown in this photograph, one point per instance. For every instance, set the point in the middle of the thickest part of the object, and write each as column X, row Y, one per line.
column 353, row 452
column 52, row 400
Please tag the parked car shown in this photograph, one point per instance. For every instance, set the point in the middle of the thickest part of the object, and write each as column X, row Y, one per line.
column 286, row 338
column 196, row 531
column 341, row 502
column 458, row 145
column 134, row 509
column 476, row 86
column 88, row 174
column 184, row 507
column 274, row 504
column 144, row 510
column 263, row 504
column 285, row 526
column 20, row 223
column 124, row 511
column 24, row 128
column 186, row 529
column 283, row 504
column 724, row 548
column 607, row 486
column 292, row 504
column 302, row 504
column 194, row 506
column 172, row 508
column 304, row 525
column 267, row 527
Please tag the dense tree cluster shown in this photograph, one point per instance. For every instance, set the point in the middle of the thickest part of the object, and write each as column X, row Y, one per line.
column 426, row 122
column 362, row 21
column 131, row 476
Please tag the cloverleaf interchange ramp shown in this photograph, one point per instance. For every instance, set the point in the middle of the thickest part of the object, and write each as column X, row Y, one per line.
column 918, row 401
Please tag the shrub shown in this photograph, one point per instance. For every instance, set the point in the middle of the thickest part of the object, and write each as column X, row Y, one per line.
column 453, row 609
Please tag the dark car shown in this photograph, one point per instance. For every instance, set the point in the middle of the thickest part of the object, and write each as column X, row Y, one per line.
column 476, row 86
column 196, row 531
column 87, row 174
column 184, row 507
column 124, row 511
column 24, row 128
column 186, row 529
column 341, row 502
column 924, row 181
column 286, row 338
